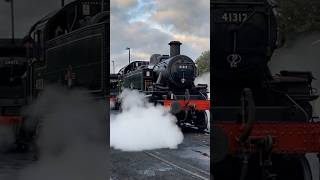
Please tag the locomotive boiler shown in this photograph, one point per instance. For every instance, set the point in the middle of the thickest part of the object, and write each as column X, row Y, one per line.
column 169, row 80
column 262, row 122
column 178, row 72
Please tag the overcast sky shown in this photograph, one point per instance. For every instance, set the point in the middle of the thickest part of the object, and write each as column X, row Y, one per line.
column 147, row 26
column 27, row 12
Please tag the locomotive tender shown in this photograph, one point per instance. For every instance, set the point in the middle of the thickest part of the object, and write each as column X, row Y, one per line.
column 262, row 123
column 169, row 80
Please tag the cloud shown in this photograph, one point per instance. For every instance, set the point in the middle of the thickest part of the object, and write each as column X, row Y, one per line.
column 148, row 26
column 123, row 3
column 26, row 14
column 189, row 16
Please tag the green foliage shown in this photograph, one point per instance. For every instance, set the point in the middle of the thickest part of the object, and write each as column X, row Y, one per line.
column 299, row 16
column 203, row 62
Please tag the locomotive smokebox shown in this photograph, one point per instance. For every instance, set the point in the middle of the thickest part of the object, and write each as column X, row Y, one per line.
column 174, row 48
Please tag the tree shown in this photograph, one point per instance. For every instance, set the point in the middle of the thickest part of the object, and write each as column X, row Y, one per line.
column 298, row 16
column 203, row 62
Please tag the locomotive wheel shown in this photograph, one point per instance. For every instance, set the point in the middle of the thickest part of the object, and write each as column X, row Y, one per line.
column 284, row 166
column 185, row 120
column 202, row 121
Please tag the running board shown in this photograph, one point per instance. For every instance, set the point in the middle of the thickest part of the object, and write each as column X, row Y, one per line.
column 288, row 137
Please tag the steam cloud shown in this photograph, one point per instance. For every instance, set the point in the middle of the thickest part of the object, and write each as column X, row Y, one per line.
column 303, row 54
column 205, row 79
column 142, row 125
column 72, row 138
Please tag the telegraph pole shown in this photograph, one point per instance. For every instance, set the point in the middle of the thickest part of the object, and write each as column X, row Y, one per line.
column 114, row 70
column 129, row 54
column 12, row 20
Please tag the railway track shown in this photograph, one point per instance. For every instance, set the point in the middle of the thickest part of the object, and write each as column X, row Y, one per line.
column 190, row 161
column 188, row 169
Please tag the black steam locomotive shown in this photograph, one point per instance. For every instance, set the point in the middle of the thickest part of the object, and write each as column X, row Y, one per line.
column 69, row 46
column 169, row 80
column 13, row 66
column 262, row 123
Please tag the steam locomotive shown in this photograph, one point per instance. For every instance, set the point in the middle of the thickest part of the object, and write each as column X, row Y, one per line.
column 169, row 80
column 70, row 47
column 263, row 124
column 13, row 65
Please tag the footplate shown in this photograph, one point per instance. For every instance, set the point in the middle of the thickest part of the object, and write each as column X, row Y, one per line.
column 288, row 137
column 10, row 120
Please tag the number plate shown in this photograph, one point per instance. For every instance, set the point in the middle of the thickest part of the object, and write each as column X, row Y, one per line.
column 232, row 17
column 8, row 61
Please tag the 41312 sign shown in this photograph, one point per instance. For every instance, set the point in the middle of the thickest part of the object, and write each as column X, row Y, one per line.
column 234, row 17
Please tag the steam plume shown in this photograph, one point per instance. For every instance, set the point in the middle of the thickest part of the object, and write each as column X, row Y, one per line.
column 142, row 125
column 72, row 138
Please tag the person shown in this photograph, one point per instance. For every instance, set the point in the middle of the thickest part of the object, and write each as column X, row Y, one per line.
column 70, row 76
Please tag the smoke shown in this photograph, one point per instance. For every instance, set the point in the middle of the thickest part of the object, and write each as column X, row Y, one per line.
column 72, row 137
column 303, row 54
column 205, row 79
column 142, row 125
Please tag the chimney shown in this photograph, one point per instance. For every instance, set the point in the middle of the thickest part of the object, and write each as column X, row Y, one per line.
column 62, row 3
column 175, row 48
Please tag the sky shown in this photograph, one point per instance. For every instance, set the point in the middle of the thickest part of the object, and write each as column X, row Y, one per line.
column 27, row 12
column 147, row 26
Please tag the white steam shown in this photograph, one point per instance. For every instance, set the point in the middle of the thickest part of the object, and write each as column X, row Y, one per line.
column 72, row 138
column 205, row 79
column 142, row 125
column 303, row 54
